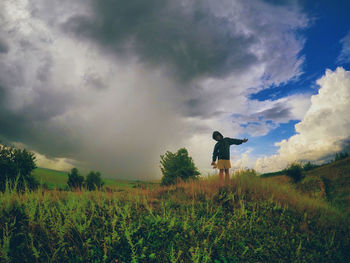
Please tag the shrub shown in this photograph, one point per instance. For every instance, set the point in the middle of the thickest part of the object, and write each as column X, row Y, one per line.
column 93, row 180
column 175, row 166
column 295, row 172
column 74, row 179
column 16, row 166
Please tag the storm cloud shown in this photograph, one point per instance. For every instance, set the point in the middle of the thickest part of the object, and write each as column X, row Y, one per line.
column 184, row 36
column 114, row 84
column 3, row 46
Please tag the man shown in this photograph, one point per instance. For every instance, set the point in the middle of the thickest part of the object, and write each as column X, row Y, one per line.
column 222, row 152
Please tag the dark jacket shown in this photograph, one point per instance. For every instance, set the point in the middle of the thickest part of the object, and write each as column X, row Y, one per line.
column 222, row 148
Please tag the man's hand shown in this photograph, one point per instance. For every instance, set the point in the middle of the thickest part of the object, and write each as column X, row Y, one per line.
column 213, row 163
column 245, row 140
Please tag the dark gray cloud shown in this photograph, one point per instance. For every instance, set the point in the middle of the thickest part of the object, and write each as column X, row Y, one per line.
column 187, row 38
column 3, row 46
column 31, row 124
column 278, row 112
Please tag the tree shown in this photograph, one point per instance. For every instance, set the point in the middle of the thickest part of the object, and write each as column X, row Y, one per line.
column 309, row 166
column 93, row 180
column 294, row 171
column 74, row 179
column 340, row 156
column 176, row 166
column 16, row 166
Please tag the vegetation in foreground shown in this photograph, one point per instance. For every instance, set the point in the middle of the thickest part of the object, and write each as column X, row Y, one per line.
column 250, row 220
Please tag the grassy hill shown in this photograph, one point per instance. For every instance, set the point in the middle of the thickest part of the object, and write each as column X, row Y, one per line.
column 334, row 178
column 249, row 220
column 58, row 179
column 53, row 178
column 330, row 182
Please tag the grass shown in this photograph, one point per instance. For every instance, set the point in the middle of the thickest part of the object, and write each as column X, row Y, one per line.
column 336, row 179
column 330, row 182
column 58, row 180
column 249, row 220
column 53, row 178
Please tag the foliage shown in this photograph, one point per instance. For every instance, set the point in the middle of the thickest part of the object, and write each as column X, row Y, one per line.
column 175, row 166
column 251, row 220
column 309, row 166
column 74, row 179
column 16, row 166
column 94, row 181
column 340, row 156
column 294, row 171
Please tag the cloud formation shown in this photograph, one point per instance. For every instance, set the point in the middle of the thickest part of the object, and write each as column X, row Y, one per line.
column 325, row 128
column 344, row 56
column 114, row 85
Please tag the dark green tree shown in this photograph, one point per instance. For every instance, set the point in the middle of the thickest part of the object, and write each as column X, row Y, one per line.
column 74, row 179
column 16, row 166
column 309, row 166
column 340, row 156
column 175, row 166
column 294, row 171
column 93, row 180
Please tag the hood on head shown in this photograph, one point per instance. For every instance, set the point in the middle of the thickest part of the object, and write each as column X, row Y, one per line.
column 216, row 133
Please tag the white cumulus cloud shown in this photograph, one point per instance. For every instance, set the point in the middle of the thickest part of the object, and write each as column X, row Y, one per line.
column 325, row 128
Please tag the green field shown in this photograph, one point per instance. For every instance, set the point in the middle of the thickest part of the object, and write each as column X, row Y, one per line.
column 58, row 179
column 249, row 220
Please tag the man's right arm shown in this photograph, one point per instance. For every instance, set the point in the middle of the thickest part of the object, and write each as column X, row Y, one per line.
column 215, row 153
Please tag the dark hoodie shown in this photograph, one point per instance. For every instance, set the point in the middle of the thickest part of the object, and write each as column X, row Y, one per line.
column 222, row 147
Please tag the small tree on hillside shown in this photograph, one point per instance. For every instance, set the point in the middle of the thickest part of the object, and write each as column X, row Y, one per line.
column 16, row 166
column 340, row 156
column 176, row 166
column 309, row 166
column 93, row 180
column 74, row 179
column 294, row 171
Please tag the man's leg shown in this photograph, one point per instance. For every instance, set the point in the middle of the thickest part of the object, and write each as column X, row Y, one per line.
column 227, row 175
column 221, row 176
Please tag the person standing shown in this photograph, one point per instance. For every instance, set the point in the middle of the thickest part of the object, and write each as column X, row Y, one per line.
column 222, row 152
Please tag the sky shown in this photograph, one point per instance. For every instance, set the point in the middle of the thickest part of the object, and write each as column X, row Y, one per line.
column 111, row 85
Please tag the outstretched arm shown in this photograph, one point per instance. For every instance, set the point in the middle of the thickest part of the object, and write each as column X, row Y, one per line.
column 237, row 141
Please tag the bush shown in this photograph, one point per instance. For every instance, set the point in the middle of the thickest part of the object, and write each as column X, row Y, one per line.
column 175, row 166
column 93, row 180
column 74, row 179
column 16, row 166
column 294, row 171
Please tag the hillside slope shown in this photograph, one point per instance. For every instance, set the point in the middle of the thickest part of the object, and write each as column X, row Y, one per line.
column 248, row 220
column 335, row 177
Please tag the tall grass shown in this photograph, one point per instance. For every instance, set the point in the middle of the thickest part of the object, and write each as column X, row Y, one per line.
column 248, row 220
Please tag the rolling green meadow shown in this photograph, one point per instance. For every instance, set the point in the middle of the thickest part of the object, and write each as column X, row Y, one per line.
column 251, row 219
column 58, row 179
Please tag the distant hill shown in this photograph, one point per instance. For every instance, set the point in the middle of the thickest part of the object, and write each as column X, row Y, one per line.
column 58, row 179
